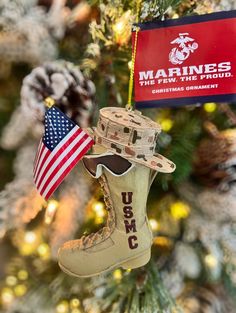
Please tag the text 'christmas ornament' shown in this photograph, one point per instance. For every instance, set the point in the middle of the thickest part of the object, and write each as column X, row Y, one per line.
column 186, row 61
column 62, row 146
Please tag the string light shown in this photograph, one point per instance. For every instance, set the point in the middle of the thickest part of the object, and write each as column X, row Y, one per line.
column 22, row 275
column 166, row 124
column 20, row 290
column 119, row 27
column 117, row 274
column 162, row 241
column 210, row 107
column 11, row 280
column 179, row 210
column 99, row 209
column 30, row 237
column 50, row 211
column 210, row 261
column 7, row 296
column 154, row 224
column 122, row 29
column 30, row 243
column 62, row 307
column 74, row 303
column 44, row 251
column 176, row 15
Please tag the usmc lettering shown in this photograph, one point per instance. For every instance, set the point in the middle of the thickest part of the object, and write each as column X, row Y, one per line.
column 130, row 223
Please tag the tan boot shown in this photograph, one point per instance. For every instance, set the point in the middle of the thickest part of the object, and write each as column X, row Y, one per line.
column 127, row 238
column 125, row 178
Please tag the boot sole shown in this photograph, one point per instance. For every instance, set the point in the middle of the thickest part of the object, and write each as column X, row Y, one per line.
column 132, row 263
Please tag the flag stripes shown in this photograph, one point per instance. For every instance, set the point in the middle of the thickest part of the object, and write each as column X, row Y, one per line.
column 62, row 146
column 55, row 156
column 64, row 171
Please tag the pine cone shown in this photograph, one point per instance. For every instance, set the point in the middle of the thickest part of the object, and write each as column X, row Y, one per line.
column 63, row 82
column 215, row 161
column 204, row 300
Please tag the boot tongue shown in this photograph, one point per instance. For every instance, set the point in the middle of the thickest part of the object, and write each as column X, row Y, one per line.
column 114, row 163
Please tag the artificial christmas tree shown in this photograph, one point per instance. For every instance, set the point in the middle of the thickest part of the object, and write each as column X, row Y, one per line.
column 190, row 211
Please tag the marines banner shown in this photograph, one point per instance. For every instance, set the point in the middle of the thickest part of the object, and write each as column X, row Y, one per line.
column 186, row 61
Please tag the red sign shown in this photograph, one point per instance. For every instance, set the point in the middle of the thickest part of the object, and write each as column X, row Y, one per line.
column 186, row 61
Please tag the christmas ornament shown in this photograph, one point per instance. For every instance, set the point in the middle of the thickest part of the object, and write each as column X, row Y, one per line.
column 125, row 172
column 178, row 68
column 64, row 83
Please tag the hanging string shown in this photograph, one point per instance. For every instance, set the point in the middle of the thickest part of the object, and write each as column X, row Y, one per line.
column 131, row 78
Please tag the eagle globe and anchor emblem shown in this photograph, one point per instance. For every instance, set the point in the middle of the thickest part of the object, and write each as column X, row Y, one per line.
column 186, row 46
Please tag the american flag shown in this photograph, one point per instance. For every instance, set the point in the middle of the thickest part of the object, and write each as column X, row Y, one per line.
column 61, row 147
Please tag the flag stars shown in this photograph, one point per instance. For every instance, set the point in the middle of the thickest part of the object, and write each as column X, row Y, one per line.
column 57, row 126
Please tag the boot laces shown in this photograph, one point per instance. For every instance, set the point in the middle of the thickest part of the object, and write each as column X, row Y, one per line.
column 104, row 233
